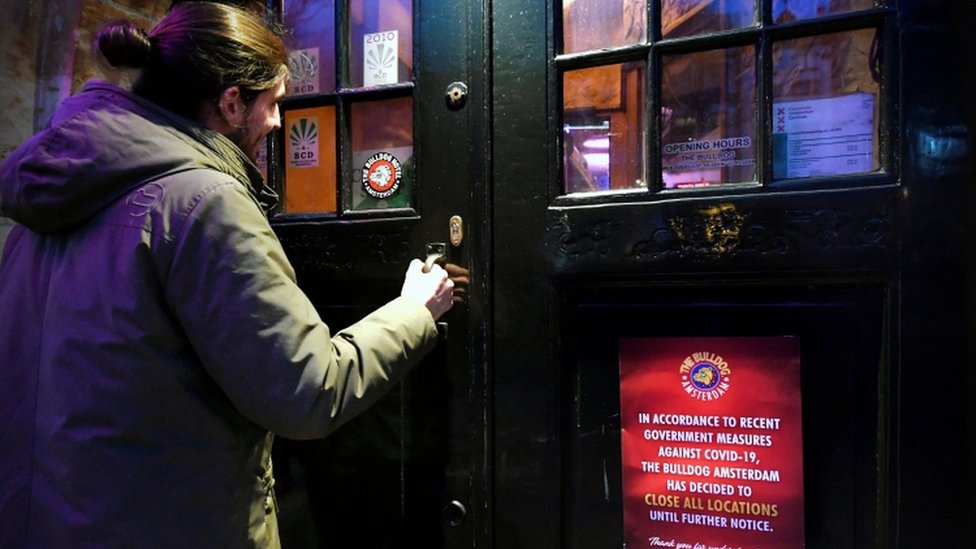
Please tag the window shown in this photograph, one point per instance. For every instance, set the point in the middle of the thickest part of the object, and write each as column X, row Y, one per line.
column 346, row 144
column 708, row 122
column 733, row 94
column 603, row 127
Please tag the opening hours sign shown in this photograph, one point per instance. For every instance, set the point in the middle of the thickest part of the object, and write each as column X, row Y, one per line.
column 712, row 444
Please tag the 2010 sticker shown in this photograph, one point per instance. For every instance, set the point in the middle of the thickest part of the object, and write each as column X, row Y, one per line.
column 382, row 175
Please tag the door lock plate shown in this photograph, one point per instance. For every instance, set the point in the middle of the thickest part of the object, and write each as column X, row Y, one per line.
column 456, row 231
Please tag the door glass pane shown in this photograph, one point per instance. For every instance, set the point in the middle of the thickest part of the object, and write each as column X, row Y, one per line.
column 825, row 105
column 262, row 160
column 785, row 11
column 382, row 155
column 687, row 17
column 310, row 168
column 596, row 24
column 603, row 123
column 380, row 42
column 310, row 36
column 708, row 118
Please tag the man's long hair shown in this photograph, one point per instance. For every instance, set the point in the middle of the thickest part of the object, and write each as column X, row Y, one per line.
column 195, row 52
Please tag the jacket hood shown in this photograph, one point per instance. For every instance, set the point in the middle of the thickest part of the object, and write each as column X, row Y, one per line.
column 99, row 145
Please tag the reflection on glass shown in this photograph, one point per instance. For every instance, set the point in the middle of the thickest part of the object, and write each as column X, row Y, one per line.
column 688, row 17
column 382, row 155
column 310, row 160
column 310, row 36
column 603, row 123
column 262, row 160
column 596, row 24
column 708, row 120
column 380, row 42
column 825, row 105
column 785, row 11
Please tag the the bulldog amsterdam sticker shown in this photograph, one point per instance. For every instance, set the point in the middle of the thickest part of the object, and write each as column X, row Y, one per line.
column 381, row 175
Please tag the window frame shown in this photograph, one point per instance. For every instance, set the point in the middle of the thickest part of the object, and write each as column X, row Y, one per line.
column 342, row 98
column 761, row 36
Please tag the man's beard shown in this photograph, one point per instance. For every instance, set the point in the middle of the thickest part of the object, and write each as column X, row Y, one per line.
column 239, row 136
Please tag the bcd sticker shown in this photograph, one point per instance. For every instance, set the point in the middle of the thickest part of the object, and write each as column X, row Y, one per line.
column 381, row 175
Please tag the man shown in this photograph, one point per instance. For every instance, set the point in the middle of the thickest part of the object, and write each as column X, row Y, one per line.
column 153, row 335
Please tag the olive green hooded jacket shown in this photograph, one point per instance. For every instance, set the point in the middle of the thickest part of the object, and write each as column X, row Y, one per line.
column 153, row 337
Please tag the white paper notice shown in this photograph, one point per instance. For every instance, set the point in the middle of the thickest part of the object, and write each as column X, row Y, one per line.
column 304, row 68
column 817, row 137
column 380, row 57
column 303, row 140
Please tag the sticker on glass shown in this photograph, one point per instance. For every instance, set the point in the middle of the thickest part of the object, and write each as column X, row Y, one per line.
column 380, row 55
column 825, row 136
column 304, row 68
column 381, row 175
column 303, row 136
column 699, row 163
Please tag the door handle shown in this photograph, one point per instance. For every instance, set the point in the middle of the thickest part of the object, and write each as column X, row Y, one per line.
column 436, row 253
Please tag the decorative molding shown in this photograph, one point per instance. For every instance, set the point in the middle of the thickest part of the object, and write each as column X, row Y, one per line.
column 716, row 232
column 594, row 239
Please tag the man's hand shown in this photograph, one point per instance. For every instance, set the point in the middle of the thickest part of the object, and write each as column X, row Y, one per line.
column 434, row 289
column 460, row 277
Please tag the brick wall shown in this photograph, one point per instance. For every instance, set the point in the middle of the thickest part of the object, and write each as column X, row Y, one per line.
column 94, row 15
column 45, row 55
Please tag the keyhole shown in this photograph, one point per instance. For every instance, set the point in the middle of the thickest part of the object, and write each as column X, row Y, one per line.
column 456, row 95
column 454, row 513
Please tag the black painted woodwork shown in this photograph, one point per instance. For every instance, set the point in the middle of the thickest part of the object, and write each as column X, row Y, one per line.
column 872, row 272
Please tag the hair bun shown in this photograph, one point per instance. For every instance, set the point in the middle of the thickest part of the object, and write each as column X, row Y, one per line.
column 124, row 45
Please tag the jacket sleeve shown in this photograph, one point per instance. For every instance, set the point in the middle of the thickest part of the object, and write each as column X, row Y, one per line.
column 257, row 334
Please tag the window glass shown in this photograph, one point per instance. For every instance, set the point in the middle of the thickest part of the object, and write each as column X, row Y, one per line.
column 688, row 17
column 310, row 167
column 597, row 24
column 262, row 159
column 382, row 155
column 785, row 11
column 310, row 36
column 603, row 123
column 380, row 42
column 708, row 118
column 825, row 105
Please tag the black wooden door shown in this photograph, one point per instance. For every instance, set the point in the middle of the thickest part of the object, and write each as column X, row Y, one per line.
column 410, row 471
column 870, row 267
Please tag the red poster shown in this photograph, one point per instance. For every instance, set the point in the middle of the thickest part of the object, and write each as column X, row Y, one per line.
column 712, row 443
